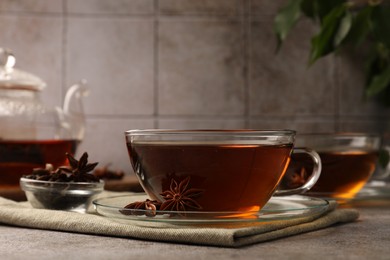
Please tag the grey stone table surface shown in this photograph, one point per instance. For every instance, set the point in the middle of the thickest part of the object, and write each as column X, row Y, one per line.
column 368, row 238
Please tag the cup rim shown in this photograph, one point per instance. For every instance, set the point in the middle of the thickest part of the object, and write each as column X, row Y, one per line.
column 211, row 132
column 341, row 134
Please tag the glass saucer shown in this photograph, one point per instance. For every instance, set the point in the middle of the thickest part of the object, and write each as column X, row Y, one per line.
column 278, row 208
column 368, row 196
column 375, row 190
column 339, row 198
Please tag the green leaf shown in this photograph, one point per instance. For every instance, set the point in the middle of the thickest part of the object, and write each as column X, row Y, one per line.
column 286, row 19
column 343, row 30
column 360, row 27
column 323, row 42
column 379, row 82
column 381, row 23
column 325, row 7
column 309, row 8
column 319, row 9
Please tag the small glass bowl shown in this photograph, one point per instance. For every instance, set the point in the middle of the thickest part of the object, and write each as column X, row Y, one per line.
column 68, row 196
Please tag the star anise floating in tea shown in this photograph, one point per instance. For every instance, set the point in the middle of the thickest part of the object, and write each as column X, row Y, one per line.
column 296, row 179
column 78, row 171
column 179, row 197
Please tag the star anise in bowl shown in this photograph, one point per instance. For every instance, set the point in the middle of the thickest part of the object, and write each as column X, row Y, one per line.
column 69, row 188
column 77, row 171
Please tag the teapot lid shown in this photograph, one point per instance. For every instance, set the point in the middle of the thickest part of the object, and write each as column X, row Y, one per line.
column 11, row 78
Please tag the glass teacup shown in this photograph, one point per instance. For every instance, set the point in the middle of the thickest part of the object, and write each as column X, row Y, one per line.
column 348, row 161
column 215, row 170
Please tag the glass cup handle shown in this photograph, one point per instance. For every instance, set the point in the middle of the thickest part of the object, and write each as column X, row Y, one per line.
column 313, row 177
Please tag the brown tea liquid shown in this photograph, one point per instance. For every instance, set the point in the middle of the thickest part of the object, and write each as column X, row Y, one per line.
column 343, row 173
column 18, row 158
column 232, row 177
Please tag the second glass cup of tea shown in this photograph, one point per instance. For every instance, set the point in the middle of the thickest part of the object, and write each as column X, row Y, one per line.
column 215, row 170
column 348, row 161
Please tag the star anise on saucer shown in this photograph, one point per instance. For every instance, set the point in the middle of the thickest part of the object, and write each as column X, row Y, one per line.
column 147, row 207
column 180, row 197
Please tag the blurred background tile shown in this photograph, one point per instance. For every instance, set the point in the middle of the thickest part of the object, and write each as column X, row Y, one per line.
column 39, row 6
column 110, row 7
column 116, row 57
column 365, row 124
column 266, row 7
column 105, row 140
column 36, row 42
column 282, row 83
column 199, row 7
column 188, row 123
column 351, row 80
column 200, row 66
column 301, row 125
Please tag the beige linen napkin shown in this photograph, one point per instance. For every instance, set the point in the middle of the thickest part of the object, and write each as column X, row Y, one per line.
column 21, row 214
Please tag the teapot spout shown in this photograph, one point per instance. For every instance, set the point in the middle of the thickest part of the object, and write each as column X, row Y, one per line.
column 73, row 109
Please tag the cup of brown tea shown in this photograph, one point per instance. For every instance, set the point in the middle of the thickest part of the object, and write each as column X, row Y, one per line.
column 215, row 170
column 348, row 161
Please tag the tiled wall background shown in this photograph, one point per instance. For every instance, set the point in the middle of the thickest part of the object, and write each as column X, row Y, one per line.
column 183, row 64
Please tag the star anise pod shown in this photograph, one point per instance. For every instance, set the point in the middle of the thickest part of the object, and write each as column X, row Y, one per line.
column 108, row 174
column 296, row 178
column 81, row 169
column 82, row 165
column 180, row 197
column 147, row 207
column 78, row 171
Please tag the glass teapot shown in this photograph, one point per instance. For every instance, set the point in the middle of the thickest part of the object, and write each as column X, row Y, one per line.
column 32, row 134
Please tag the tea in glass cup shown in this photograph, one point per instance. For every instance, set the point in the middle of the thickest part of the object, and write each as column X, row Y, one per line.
column 348, row 161
column 214, row 170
